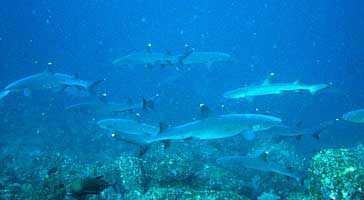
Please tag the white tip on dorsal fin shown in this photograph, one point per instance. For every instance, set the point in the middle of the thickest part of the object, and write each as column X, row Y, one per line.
column 137, row 117
column 297, row 82
column 148, row 48
column 204, row 111
column 49, row 69
column 162, row 127
column 268, row 80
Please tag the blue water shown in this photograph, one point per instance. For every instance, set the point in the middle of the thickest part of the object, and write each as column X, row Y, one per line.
column 311, row 41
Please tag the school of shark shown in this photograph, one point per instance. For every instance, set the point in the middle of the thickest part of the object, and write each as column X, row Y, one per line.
column 208, row 126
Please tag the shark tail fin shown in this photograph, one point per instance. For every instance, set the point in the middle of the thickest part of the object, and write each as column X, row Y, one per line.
column 315, row 88
column 147, row 104
column 204, row 111
column 4, row 93
column 187, row 53
column 92, row 86
column 162, row 127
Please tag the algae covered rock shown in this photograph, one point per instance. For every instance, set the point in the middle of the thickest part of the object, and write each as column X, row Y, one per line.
column 132, row 176
column 52, row 187
column 338, row 174
column 187, row 193
column 169, row 167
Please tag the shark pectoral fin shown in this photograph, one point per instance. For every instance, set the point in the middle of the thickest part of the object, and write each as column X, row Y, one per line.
column 91, row 88
column 162, row 127
column 166, row 144
column 142, row 151
column 315, row 88
column 209, row 65
column 4, row 93
column 249, row 135
column 27, row 92
column 191, row 138
column 299, row 137
column 147, row 104
column 63, row 88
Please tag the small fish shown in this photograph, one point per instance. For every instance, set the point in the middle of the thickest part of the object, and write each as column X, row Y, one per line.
column 80, row 188
column 356, row 116
column 268, row 88
column 52, row 171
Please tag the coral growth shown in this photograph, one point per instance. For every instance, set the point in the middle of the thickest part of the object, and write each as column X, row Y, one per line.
column 338, row 174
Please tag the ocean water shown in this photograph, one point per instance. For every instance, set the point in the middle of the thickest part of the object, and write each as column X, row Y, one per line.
column 45, row 147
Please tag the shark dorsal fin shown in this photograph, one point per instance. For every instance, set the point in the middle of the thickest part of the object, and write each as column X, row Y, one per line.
column 148, row 48
column 103, row 98
column 162, row 127
column 268, row 80
column 137, row 117
column 129, row 101
column 264, row 156
column 49, row 70
column 76, row 76
column 297, row 82
column 204, row 111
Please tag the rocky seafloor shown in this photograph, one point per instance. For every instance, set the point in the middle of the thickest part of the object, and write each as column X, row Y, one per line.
column 183, row 172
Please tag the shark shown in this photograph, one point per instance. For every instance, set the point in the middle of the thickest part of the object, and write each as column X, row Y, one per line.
column 48, row 80
column 217, row 127
column 105, row 107
column 206, row 57
column 284, row 131
column 355, row 116
column 260, row 163
column 129, row 131
column 188, row 57
column 149, row 58
column 268, row 88
column 145, row 58
column 127, row 126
